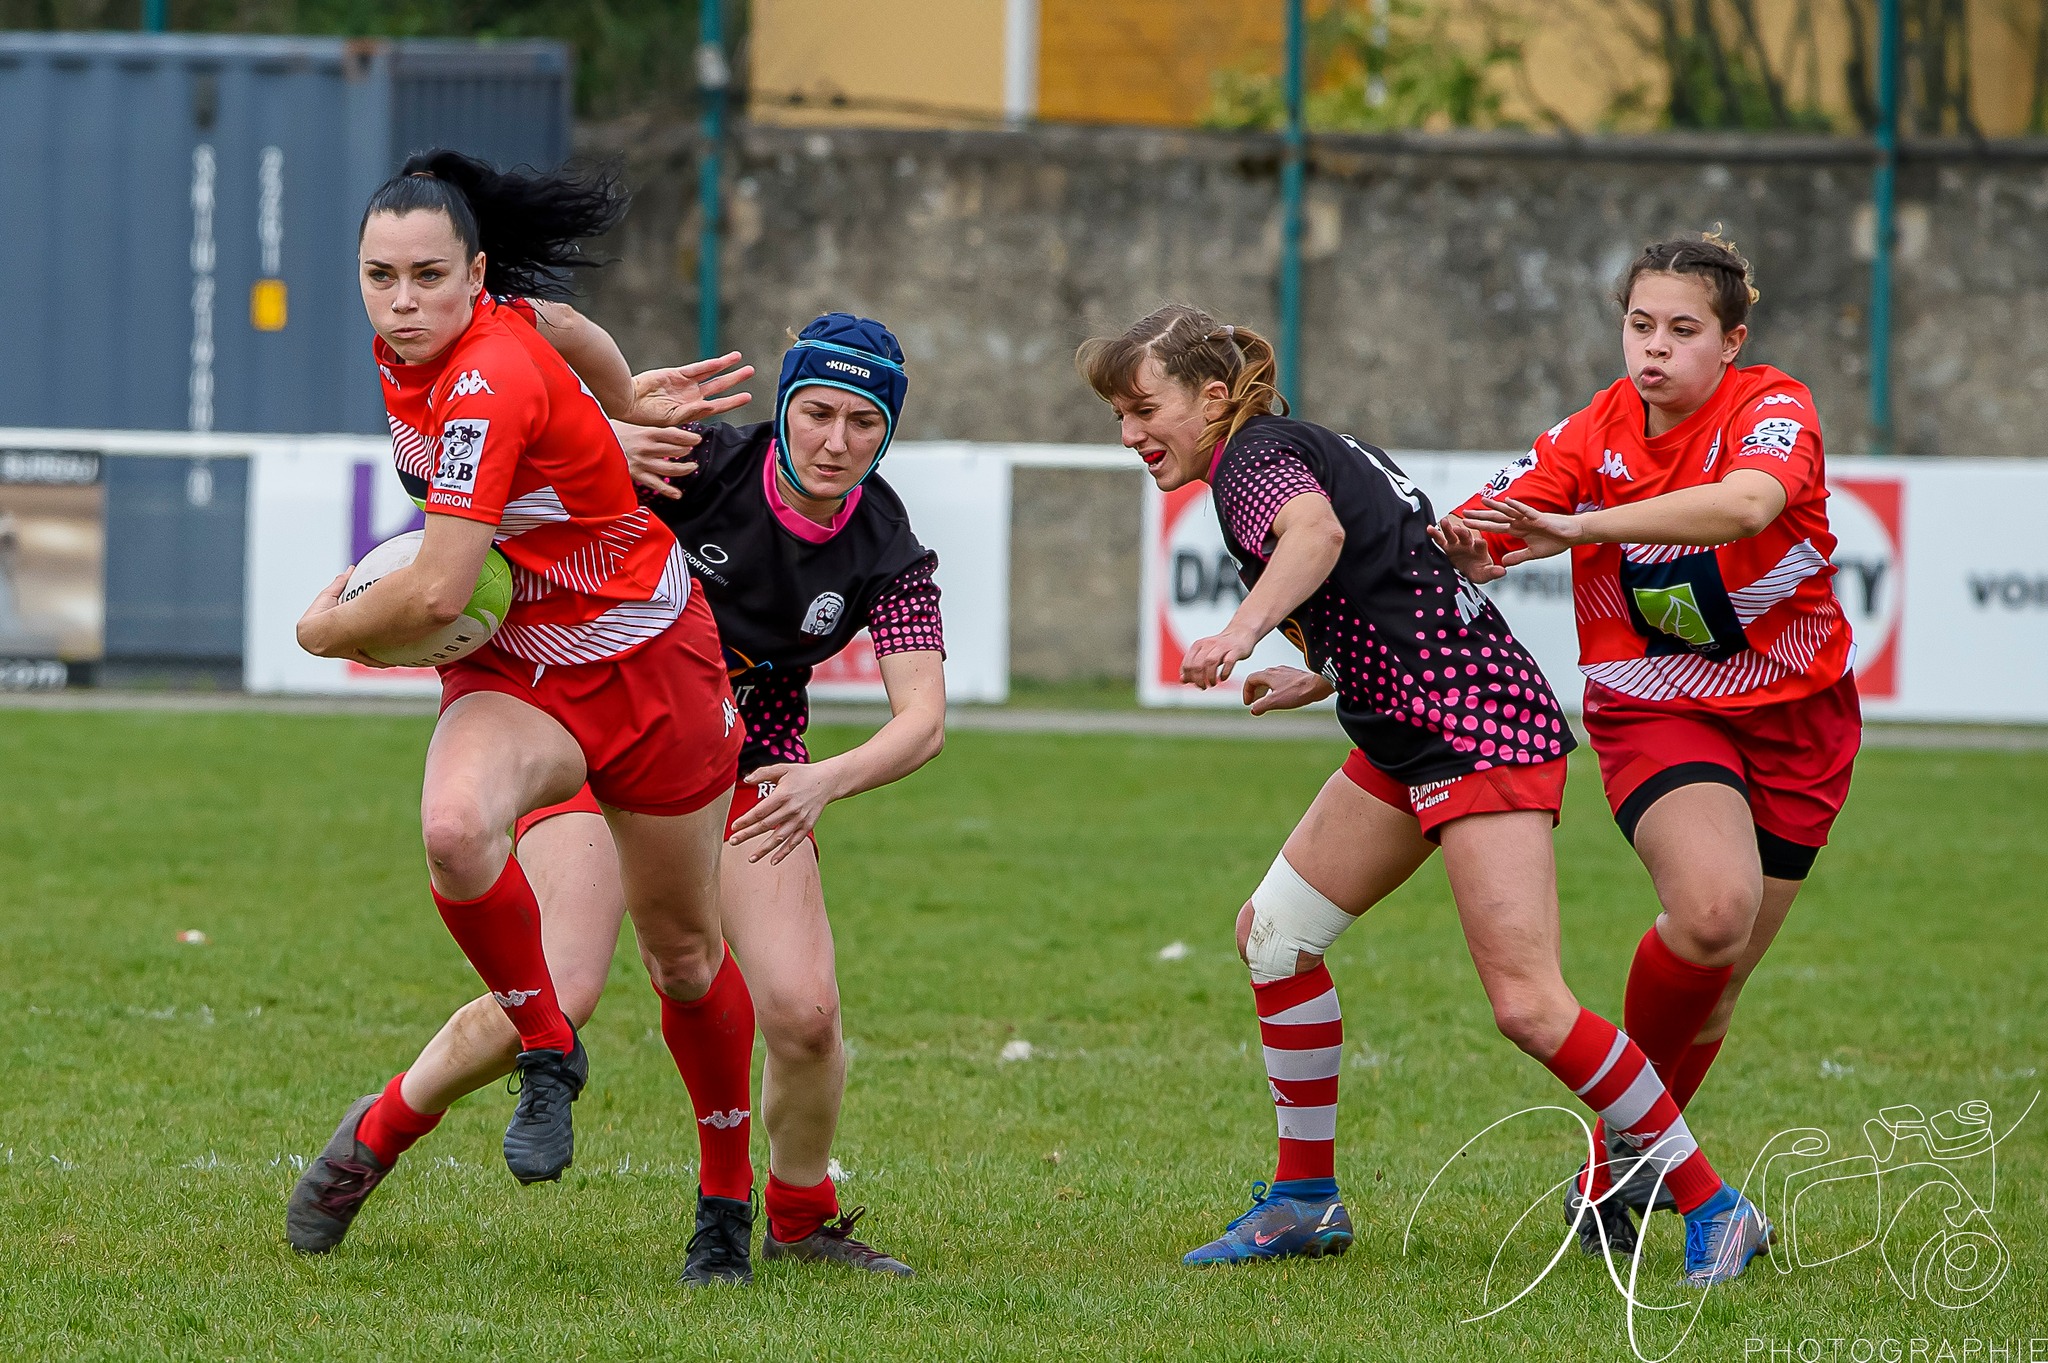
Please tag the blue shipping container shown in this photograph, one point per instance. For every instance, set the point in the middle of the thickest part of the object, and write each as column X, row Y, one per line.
column 189, row 204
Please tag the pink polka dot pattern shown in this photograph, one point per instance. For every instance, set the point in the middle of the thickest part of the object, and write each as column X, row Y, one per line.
column 1407, row 640
column 905, row 617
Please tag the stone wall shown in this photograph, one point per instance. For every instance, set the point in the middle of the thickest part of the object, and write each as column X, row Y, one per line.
column 1456, row 288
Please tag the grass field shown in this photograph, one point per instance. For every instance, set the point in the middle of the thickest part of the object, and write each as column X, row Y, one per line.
column 1021, row 888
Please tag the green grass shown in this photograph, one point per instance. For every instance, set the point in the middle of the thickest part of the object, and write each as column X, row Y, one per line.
column 1021, row 887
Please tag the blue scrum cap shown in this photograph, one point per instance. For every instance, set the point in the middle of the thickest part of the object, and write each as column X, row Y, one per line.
column 840, row 350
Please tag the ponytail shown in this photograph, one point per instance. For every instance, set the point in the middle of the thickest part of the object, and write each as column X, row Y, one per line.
column 529, row 227
column 1192, row 348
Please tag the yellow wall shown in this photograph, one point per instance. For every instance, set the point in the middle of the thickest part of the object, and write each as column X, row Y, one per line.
column 941, row 62
column 894, row 62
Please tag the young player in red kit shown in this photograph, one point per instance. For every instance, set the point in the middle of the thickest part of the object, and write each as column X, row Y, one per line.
column 1692, row 496
column 1459, row 745
column 606, row 669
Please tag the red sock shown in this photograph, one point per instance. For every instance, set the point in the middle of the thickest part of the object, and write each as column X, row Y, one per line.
column 1669, row 999
column 1600, row 1064
column 1691, row 1070
column 391, row 1127
column 1303, row 1031
column 500, row 933
column 795, row 1213
column 712, row 1040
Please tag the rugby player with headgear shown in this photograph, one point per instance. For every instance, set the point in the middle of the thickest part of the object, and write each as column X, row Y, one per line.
column 1460, row 746
column 605, row 671
column 1720, row 696
column 798, row 546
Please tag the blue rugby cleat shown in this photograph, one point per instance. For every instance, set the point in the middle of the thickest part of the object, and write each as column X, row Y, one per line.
column 1299, row 1219
column 1722, row 1236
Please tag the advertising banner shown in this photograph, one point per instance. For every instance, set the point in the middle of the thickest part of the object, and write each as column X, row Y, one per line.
column 318, row 505
column 1951, row 622
column 52, row 566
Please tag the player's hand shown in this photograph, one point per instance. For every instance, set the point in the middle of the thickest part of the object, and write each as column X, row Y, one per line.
column 1208, row 661
column 689, row 392
column 1466, row 548
column 1284, row 688
column 656, row 454
column 314, row 632
column 782, row 820
column 1542, row 532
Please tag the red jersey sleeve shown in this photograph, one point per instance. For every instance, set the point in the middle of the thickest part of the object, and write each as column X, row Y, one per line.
column 489, row 413
column 1548, row 478
column 1779, row 433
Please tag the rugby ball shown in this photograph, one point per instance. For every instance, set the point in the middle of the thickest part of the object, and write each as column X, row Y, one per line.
column 466, row 633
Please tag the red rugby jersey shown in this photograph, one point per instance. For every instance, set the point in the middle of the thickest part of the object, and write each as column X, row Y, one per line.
column 1734, row 625
column 499, row 429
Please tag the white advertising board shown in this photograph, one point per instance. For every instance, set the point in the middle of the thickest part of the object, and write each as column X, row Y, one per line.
column 1951, row 619
column 317, row 505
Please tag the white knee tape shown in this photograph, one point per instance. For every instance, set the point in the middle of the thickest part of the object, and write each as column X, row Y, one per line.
column 1289, row 916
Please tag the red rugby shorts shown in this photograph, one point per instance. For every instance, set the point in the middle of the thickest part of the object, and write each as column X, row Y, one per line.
column 1496, row 790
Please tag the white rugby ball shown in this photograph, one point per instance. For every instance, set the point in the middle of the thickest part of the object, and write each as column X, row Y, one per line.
column 466, row 633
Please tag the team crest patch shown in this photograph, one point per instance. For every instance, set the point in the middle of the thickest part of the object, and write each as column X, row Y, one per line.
column 1774, row 436
column 462, row 450
column 1500, row 482
column 824, row 613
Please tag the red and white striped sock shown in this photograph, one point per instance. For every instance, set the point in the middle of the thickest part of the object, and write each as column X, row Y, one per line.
column 1303, row 1031
column 1600, row 1064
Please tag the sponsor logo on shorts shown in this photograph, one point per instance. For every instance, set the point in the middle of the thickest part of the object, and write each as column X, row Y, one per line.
column 732, row 714
column 514, row 998
column 462, row 452
column 1431, row 795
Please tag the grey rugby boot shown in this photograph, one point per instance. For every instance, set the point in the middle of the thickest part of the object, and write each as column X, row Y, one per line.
column 1605, row 1227
column 331, row 1191
column 1636, row 1191
column 540, row 1142
column 721, row 1249
column 833, row 1243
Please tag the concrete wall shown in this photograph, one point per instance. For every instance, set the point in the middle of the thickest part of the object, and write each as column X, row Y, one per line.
column 1456, row 287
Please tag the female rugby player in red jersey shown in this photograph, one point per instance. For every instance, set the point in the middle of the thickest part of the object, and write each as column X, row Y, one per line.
column 1460, row 746
column 1692, row 495
column 607, row 668
column 781, row 517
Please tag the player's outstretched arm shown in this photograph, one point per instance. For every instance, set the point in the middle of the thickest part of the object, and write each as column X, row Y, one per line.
column 1307, row 541
column 916, row 731
column 1740, row 505
column 1285, row 688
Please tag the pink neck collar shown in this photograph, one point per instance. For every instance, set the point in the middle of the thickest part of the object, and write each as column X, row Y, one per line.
column 794, row 521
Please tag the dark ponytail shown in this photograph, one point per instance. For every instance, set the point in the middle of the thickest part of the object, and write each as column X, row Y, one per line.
column 529, row 226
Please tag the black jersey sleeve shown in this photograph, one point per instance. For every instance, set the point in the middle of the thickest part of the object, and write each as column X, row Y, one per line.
column 1260, row 481
column 905, row 615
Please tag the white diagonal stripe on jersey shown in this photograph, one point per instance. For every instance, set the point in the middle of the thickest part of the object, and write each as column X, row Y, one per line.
column 1635, row 1101
column 1322, row 1008
column 1308, row 1123
column 1322, row 1062
column 1801, row 561
column 624, row 626
column 409, row 449
column 542, row 506
column 1613, row 1054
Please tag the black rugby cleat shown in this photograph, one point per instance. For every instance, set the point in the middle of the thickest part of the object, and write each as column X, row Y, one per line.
column 331, row 1191
column 541, row 1141
column 721, row 1249
column 833, row 1243
column 1605, row 1227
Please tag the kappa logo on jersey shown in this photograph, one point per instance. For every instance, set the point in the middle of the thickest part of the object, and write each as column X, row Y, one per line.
column 1500, row 482
column 514, row 998
column 1774, row 436
column 726, row 1121
column 390, row 377
column 462, row 450
column 1612, row 467
column 1557, row 430
column 824, row 613
column 472, row 382
column 1779, row 400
